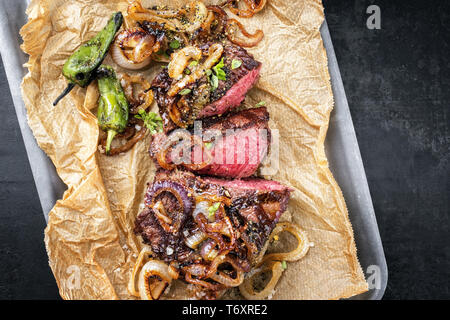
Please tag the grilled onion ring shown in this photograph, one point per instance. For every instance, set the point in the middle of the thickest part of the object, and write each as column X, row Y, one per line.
column 225, row 279
column 146, row 250
column 153, row 280
column 252, row 8
column 299, row 252
column 180, row 60
column 173, row 138
column 247, row 289
column 133, row 48
column 195, row 12
column 214, row 54
column 182, row 136
column 144, row 99
column 198, row 14
column 138, row 13
column 132, row 139
column 233, row 26
column 183, row 198
column 272, row 261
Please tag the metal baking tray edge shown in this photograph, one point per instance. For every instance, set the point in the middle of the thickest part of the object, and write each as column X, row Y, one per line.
column 341, row 147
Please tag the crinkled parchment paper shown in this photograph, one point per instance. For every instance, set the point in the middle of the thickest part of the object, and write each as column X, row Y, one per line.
column 89, row 238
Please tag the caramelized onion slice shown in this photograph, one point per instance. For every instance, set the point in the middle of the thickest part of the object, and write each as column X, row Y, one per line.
column 180, row 60
column 247, row 287
column 131, row 141
column 197, row 14
column 195, row 239
column 182, row 140
column 183, row 198
column 206, row 155
column 146, row 251
column 214, row 54
column 138, row 13
column 177, row 137
column 174, row 270
column 187, row 19
column 251, row 40
column 208, row 250
column 205, row 284
column 299, row 252
column 206, row 25
column 153, row 280
column 226, row 279
column 253, row 7
column 143, row 99
column 133, row 48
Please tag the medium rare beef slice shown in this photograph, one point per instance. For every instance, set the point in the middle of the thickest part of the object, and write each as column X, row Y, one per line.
column 200, row 99
column 233, row 146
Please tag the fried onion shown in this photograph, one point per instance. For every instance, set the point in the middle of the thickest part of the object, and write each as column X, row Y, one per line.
column 188, row 143
column 153, row 280
column 146, row 251
column 253, row 7
column 133, row 48
column 247, row 287
column 180, row 60
column 299, row 252
column 233, row 26
column 225, row 278
column 214, row 54
column 272, row 262
column 131, row 135
column 143, row 99
column 187, row 19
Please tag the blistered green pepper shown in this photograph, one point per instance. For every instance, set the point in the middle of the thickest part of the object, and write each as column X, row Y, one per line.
column 113, row 108
column 80, row 68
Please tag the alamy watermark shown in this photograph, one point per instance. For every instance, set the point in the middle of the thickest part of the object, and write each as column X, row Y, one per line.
column 228, row 147
column 374, row 277
column 374, row 20
column 73, row 281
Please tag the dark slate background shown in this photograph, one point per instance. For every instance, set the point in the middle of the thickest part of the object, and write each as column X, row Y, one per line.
column 396, row 81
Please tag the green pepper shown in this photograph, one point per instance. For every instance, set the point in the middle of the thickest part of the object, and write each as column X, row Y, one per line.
column 113, row 108
column 80, row 68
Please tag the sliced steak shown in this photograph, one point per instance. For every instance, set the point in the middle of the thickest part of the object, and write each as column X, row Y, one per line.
column 241, row 141
column 244, row 214
column 229, row 94
column 259, row 202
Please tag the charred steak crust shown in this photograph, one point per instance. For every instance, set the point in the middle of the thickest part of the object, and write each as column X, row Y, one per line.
column 241, row 78
column 256, row 206
column 257, row 118
column 246, row 124
column 258, row 202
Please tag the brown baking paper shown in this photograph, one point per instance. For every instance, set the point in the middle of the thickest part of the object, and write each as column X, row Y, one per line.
column 89, row 237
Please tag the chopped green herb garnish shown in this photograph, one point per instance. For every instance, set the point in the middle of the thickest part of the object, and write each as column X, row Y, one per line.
column 152, row 121
column 214, row 80
column 235, row 64
column 221, row 75
column 174, row 44
column 193, row 64
column 163, row 53
column 260, row 104
column 185, row 92
column 208, row 72
column 212, row 209
column 284, row 265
